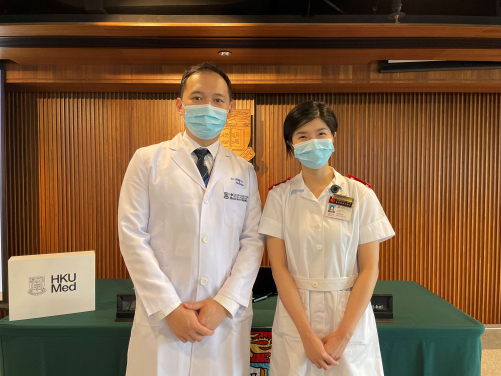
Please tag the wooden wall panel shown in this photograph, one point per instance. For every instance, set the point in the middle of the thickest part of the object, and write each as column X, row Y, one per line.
column 434, row 163
column 433, row 160
column 66, row 158
column 21, row 175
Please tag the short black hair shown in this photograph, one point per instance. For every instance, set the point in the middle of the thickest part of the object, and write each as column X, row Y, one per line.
column 200, row 68
column 304, row 113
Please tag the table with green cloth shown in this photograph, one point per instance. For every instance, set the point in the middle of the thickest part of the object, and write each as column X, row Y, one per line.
column 429, row 337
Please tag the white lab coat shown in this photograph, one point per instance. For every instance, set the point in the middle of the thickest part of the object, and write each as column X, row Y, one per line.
column 322, row 251
column 183, row 241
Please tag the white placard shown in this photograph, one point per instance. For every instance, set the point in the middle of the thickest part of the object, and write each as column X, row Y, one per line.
column 51, row 284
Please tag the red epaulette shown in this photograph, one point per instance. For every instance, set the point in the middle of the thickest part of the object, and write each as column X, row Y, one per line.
column 274, row 185
column 359, row 180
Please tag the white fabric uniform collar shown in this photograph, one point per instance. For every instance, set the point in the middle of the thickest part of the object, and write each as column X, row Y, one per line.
column 297, row 182
column 192, row 145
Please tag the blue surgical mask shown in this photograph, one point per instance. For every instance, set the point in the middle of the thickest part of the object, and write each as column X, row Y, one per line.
column 205, row 121
column 314, row 153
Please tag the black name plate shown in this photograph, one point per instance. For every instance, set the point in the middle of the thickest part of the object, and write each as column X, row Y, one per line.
column 126, row 307
column 382, row 305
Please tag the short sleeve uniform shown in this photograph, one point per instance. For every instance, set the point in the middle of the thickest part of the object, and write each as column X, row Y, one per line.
column 321, row 248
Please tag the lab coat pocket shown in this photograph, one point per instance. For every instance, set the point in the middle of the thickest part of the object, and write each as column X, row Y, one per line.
column 235, row 205
column 362, row 330
column 283, row 323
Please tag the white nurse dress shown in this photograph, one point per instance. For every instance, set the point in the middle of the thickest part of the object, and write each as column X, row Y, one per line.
column 322, row 259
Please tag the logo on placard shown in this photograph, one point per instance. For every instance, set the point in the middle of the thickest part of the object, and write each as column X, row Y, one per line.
column 37, row 286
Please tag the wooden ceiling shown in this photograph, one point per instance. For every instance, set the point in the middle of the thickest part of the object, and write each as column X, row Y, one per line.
column 240, row 30
column 265, row 57
column 249, row 43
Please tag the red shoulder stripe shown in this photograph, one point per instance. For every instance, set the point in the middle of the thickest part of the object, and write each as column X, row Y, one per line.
column 359, row 180
column 274, row 185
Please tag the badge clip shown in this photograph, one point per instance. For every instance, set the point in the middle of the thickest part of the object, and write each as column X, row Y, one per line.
column 335, row 188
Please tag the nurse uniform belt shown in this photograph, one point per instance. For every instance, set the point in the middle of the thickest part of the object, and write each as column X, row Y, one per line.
column 265, row 288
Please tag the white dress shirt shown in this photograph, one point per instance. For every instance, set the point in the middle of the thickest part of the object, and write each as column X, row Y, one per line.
column 192, row 145
column 230, row 305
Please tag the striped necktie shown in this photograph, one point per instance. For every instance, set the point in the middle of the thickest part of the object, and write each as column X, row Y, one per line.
column 204, row 171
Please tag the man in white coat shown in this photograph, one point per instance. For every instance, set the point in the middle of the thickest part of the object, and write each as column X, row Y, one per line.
column 188, row 219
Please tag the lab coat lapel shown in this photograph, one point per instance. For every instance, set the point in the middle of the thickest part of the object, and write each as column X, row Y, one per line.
column 184, row 160
column 221, row 164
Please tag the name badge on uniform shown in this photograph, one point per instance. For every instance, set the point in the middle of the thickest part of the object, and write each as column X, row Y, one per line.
column 339, row 207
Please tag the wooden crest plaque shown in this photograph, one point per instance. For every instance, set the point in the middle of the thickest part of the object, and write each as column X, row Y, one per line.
column 236, row 134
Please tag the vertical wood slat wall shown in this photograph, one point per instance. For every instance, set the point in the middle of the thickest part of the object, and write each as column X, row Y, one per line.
column 432, row 158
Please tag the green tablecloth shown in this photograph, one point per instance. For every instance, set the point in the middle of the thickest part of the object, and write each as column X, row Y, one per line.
column 429, row 337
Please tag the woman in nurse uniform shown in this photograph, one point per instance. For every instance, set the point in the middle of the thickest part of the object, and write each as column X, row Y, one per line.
column 322, row 233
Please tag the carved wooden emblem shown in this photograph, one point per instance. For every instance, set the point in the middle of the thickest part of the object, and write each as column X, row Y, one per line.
column 236, row 134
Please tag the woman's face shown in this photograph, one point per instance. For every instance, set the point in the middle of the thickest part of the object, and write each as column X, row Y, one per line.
column 314, row 129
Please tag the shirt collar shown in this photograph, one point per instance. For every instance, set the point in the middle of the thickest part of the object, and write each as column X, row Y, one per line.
column 297, row 182
column 192, row 145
